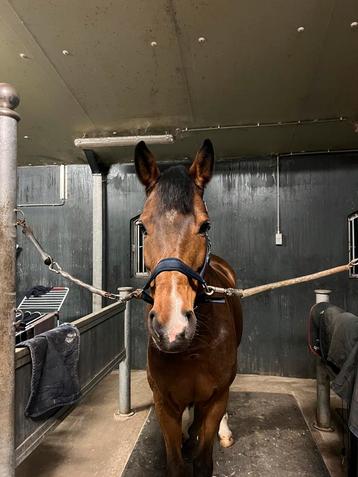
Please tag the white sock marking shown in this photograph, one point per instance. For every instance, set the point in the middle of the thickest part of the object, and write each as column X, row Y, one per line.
column 187, row 420
column 224, row 429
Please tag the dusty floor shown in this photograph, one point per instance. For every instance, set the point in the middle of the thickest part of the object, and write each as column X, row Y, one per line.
column 92, row 442
column 272, row 440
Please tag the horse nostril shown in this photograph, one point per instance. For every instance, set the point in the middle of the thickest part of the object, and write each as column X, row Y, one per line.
column 189, row 315
column 156, row 327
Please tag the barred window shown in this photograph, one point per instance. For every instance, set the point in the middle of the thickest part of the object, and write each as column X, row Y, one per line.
column 353, row 242
column 137, row 249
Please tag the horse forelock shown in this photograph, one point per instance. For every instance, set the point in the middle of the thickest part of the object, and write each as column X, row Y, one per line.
column 175, row 190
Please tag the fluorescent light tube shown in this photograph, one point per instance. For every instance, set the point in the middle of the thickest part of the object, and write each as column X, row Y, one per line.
column 96, row 142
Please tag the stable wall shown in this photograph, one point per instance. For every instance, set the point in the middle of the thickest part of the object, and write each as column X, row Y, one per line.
column 317, row 194
column 64, row 231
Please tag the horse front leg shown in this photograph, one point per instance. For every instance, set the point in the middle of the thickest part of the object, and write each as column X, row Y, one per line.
column 211, row 415
column 170, row 421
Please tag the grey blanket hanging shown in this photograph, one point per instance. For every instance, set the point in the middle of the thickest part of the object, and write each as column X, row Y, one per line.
column 334, row 334
column 54, row 381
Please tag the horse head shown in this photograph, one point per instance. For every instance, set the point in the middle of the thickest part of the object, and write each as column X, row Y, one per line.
column 176, row 222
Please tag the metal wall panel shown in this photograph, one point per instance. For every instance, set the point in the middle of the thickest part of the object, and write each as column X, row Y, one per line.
column 317, row 194
column 65, row 232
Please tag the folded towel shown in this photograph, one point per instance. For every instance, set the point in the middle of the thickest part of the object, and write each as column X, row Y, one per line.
column 37, row 290
column 54, row 381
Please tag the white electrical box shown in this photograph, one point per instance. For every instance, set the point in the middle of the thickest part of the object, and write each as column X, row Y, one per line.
column 278, row 239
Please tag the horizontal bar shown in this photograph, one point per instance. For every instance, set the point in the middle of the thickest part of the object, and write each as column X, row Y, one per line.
column 56, row 293
column 37, row 307
column 38, row 302
column 83, row 324
column 258, row 124
column 97, row 142
column 39, row 299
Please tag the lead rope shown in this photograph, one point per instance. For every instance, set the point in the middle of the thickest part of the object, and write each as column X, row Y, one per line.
column 54, row 267
column 209, row 290
column 243, row 293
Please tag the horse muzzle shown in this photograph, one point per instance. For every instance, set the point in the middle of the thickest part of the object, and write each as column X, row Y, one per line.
column 172, row 334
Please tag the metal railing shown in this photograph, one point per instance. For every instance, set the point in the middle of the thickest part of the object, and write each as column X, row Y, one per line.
column 101, row 331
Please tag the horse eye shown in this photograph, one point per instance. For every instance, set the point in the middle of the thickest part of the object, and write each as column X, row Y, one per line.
column 204, row 228
column 141, row 227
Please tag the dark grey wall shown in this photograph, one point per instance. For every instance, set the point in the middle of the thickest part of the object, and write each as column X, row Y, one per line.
column 317, row 194
column 65, row 232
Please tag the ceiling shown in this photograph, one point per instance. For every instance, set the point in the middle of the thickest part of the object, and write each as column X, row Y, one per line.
column 253, row 67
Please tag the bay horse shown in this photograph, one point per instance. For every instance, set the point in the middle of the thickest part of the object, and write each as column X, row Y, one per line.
column 193, row 340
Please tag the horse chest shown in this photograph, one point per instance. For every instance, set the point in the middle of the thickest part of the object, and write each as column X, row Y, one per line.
column 195, row 378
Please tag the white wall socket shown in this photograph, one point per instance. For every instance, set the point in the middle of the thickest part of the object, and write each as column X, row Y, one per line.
column 278, row 238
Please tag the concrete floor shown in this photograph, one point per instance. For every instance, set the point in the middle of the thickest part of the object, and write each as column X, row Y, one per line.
column 91, row 441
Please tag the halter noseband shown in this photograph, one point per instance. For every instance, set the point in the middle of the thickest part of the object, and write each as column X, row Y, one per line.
column 176, row 265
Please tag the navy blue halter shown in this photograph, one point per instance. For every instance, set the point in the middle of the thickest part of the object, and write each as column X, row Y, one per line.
column 176, row 265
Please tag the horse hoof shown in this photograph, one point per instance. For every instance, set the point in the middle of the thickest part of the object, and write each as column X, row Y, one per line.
column 226, row 441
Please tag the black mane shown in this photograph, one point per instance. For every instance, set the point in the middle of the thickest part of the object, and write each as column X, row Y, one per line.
column 176, row 190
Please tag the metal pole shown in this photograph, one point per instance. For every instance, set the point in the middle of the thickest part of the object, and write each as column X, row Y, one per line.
column 97, row 240
column 8, row 150
column 323, row 410
column 322, row 296
column 125, row 365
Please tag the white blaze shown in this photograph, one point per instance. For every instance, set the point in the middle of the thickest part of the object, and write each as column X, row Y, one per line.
column 177, row 321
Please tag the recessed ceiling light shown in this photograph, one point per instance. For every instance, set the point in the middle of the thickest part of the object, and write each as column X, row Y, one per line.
column 66, row 52
column 153, row 44
column 354, row 24
column 23, row 56
column 201, row 39
column 26, row 137
column 301, row 29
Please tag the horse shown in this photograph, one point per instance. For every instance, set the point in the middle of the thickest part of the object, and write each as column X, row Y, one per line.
column 192, row 339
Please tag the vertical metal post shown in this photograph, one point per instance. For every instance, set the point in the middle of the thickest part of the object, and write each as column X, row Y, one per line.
column 97, row 239
column 322, row 296
column 125, row 365
column 8, row 151
column 323, row 410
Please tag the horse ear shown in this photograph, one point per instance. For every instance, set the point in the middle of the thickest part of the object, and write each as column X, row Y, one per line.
column 145, row 165
column 202, row 167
